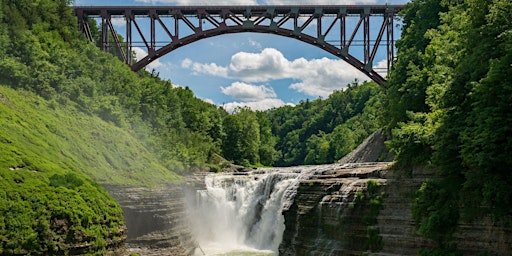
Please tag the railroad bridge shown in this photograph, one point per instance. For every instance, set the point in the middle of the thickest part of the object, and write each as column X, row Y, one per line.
column 338, row 29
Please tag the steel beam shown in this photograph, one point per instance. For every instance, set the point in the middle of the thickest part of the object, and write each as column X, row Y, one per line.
column 288, row 21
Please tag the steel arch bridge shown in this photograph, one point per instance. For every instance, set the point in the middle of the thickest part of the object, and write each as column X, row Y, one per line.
column 179, row 25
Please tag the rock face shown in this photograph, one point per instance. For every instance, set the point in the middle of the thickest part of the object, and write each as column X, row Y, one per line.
column 372, row 149
column 327, row 219
column 156, row 220
column 330, row 215
column 395, row 223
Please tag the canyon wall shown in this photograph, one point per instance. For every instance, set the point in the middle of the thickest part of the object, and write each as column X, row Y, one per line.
column 330, row 217
column 327, row 219
column 156, row 220
column 330, row 212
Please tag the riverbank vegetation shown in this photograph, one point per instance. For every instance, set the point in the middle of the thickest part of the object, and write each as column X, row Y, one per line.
column 448, row 102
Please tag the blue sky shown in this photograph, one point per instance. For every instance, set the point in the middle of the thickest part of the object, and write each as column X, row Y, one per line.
column 249, row 69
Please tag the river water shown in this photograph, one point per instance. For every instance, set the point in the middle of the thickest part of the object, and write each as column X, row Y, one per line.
column 241, row 213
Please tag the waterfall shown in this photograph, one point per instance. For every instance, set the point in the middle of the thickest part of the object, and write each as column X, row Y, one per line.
column 243, row 211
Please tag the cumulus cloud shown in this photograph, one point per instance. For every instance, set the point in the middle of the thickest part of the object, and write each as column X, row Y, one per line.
column 208, row 68
column 255, row 2
column 249, row 92
column 315, row 77
column 141, row 53
column 382, row 67
column 317, row 2
column 256, row 97
column 255, row 105
column 208, row 101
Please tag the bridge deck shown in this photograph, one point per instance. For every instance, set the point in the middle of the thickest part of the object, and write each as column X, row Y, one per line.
column 242, row 10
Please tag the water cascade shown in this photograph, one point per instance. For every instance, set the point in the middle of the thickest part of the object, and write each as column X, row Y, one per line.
column 243, row 211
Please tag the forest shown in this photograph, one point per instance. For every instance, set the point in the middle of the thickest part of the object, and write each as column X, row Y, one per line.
column 448, row 103
column 72, row 116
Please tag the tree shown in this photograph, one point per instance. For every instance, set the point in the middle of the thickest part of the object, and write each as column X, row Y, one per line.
column 242, row 141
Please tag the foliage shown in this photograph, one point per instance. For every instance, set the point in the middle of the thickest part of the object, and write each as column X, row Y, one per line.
column 45, row 54
column 248, row 140
column 47, row 205
column 407, row 80
column 323, row 131
column 372, row 199
column 462, row 65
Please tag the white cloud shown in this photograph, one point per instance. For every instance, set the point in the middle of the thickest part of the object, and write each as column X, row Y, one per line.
column 118, row 22
column 258, row 67
column 315, row 77
column 255, row 105
column 256, row 97
column 254, row 2
column 317, row 2
column 249, row 92
column 141, row 53
column 209, row 101
column 382, row 68
column 209, row 68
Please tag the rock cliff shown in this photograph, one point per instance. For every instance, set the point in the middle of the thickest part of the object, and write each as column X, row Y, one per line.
column 328, row 216
column 156, row 220
column 331, row 212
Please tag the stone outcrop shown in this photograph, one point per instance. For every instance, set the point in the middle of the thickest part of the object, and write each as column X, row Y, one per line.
column 372, row 149
column 156, row 220
column 328, row 215
column 327, row 219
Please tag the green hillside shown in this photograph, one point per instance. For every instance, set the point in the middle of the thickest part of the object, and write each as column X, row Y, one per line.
column 47, row 204
column 40, row 135
column 448, row 103
column 324, row 130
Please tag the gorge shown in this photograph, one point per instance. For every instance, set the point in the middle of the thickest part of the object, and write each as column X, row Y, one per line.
column 344, row 208
column 288, row 211
column 76, row 122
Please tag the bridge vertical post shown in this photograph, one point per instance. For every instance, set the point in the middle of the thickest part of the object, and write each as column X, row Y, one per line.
column 176, row 25
column 319, row 27
column 366, row 35
column 343, row 28
column 152, row 16
column 390, row 38
column 129, row 40
column 104, row 31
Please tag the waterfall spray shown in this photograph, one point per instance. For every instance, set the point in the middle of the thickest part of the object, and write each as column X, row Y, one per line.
column 244, row 212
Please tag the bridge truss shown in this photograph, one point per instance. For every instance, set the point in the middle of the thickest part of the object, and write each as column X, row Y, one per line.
column 338, row 30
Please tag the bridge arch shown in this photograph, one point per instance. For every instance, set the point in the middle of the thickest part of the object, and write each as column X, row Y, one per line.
column 242, row 19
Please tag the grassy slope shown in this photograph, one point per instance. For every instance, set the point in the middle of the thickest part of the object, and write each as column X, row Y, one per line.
column 48, row 154
column 40, row 135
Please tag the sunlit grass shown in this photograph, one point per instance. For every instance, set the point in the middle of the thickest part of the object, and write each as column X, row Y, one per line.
column 45, row 136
